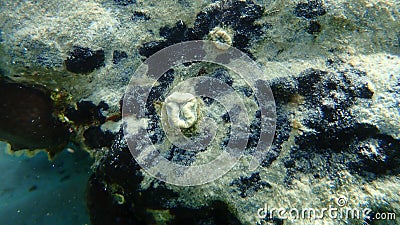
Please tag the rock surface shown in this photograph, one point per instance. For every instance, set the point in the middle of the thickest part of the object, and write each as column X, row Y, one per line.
column 333, row 67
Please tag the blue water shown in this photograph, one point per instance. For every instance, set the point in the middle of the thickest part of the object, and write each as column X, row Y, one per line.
column 36, row 191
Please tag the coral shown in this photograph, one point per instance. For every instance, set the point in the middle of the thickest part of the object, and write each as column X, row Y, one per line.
column 181, row 109
column 221, row 37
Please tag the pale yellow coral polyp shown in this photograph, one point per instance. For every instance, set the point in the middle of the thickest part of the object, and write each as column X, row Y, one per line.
column 181, row 109
column 222, row 38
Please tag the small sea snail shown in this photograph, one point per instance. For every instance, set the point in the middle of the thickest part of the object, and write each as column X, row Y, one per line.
column 181, row 109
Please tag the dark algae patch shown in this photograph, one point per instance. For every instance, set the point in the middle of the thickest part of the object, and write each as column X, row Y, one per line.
column 124, row 2
column 118, row 56
column 314, row 28
column 247, row 186
column 335, row 140
column 95, row 137
column 84, row 60
column 86, row 112
column 310, row 9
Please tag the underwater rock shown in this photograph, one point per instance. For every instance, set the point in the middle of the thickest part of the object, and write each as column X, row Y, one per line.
column 116, row 169
column 118, row 56
column 249, row 185
column 228, row 22
column 87, row 118
column 282, row 134
column 125, row 2
column 223, row 75
column 149, row 48
column 175, row 34
column 310, row 9
column 322, row 98
column 337, row 130
column 314, row 28
column 181, row 156
column 104, row 209
column 328, row 129
column 28, row 120
column 378, row 154
column 114, row 196
column 140, row 16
